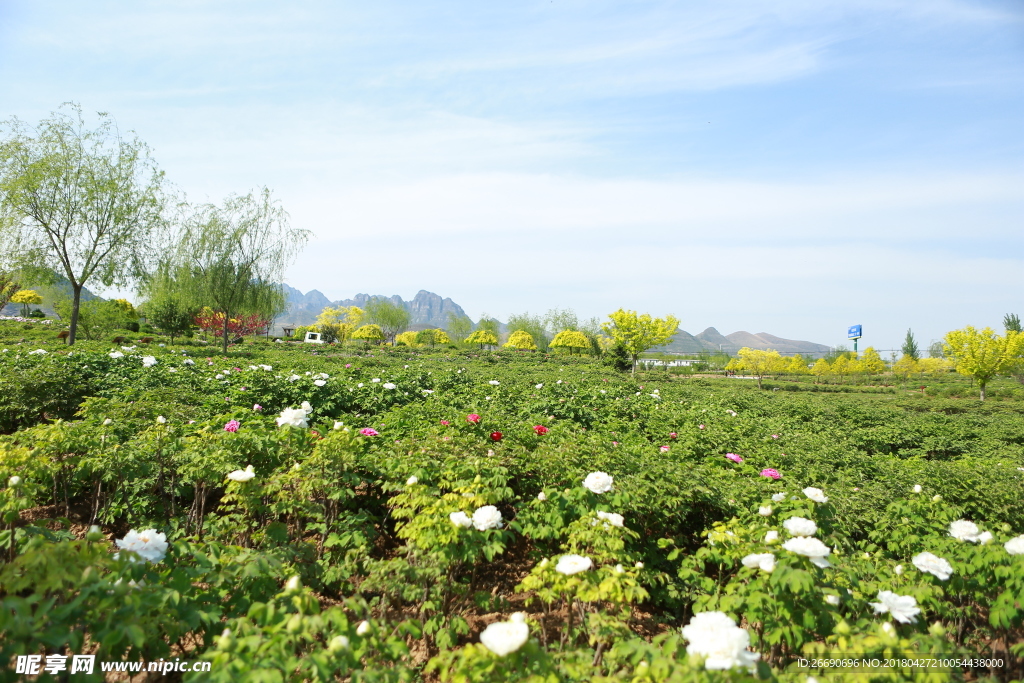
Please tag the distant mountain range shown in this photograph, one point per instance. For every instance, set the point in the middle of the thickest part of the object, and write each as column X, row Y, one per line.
column 429, row 310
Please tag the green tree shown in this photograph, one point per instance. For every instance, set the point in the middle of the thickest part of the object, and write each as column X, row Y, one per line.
column 459, row 326
column 796, row 365
column 532, row 325
column 369, row 333
column 910, row 348
column 872, row 362
column 231, row 256
column 96, row 318
column 983, row 354
column 637, row 333
column 489, row 324
column 432, row 337
column 391, row 317
column 170, row 314
column 572, row 340
column 83, row 202
column 935, row 350
column 820, row 369
column 482, row 337
column 521, row 339
column 26, row 297
column 1011, row 322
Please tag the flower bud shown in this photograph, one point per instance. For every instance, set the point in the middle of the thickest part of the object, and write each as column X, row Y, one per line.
column 936, row 498
column 338, row 643
column 14, row 481
column 293, row 584
column 363, row 628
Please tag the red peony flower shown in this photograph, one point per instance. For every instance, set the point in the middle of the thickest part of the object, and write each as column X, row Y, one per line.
column 496, row 436
column 540, row 429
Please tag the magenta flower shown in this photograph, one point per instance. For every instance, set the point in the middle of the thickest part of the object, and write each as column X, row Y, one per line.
column 232, row 426
column 257, row 407
column 445, row 422
column 736, row 458
column 472, row 418
column 771, row 473
column 348, row 365
column 369, row 431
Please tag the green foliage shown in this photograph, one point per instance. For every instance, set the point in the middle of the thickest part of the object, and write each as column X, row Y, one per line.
column 390, row 317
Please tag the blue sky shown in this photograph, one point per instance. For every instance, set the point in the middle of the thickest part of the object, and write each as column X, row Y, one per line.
column 790, row 166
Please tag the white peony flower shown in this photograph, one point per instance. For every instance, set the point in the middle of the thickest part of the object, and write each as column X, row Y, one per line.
column 412, row 480
column 14, row 481
column 338, row 425
column 148, row 361
column 765, row 510
column 389, row 385
column 293, row 584
column 931, row 564
column 985, row 537
column 542, row 496
column 150, row 544
column 268, row 368
column 538, row 386
column 108, row 422
column 161, row 419
column 1015, row 546
column 898, row 570
column 817, row 495
column 779, row 497
column 963, row 530
column 771, row 537
column 319, row 382
column 37, row 352
column 612, row 518
column 573, row 564
column 363, row 628
column 293, row 417
column 218, row 376
column 188, row 361
column 494, row 382
column 766, row 561
column 903, row 608
column 917, row 488
column 800, row 526
column 639, row 565
column 324, row 375
column 598, row 482
column 461, row 520
column 505, row 637
column 487, row 517
column 242, row 475
column 811, row 548
column 375, row 379
column 832, row 600
column 717, row 639
column 116, row 354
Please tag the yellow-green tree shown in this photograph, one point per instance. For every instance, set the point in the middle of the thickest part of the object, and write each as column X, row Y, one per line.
column 796, row 365
column 935, row 367
column 337, row 323
column 521, row 339
column 432, row 337
column 841, row 367
column 571, row 340
column 905, row 367
column 26, row 297
column 820, row 369
column 760, row 362
column 369, row 333
column 637, row 333
column 482, row 337
column 983, row 354
column 871, row 362
column 407, row 338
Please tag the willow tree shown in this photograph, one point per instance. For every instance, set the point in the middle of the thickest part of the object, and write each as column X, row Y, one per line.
column 389, row 316
column 232, row 257
column 82, row 202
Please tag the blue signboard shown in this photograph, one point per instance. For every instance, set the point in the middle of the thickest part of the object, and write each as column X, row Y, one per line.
column 854, row 332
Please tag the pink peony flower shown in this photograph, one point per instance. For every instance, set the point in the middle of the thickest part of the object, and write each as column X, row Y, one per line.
column 615, row 443
column 257, row 407
column 472, row 418
column 445, row 422
column 775, row 436
column 232, row 426
column 771, row 473
column 348, row 365
column 736, row 458
column 369, row 431
column 672, row 435
column 664, row 449
column 700, row 426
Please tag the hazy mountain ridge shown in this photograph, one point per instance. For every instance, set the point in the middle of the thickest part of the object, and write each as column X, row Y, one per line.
column 430, row 310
